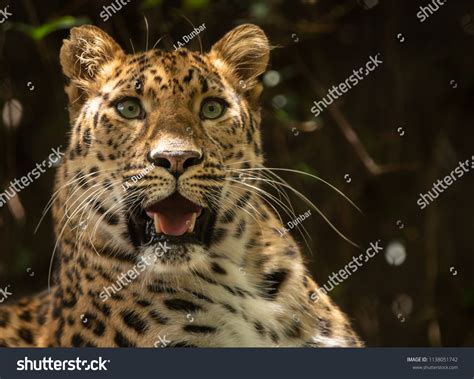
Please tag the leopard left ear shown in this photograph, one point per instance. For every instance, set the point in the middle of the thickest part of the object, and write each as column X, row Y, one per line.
column 243, row 53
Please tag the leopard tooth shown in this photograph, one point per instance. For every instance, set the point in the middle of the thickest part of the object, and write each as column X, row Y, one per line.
column 156, row 219
column 192, row 222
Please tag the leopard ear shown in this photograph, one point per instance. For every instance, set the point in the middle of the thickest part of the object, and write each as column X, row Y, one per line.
column 82, row 57
column 86, row 51
column 244, row 51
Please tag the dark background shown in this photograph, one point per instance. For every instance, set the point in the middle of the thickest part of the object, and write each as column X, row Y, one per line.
column 425, row 86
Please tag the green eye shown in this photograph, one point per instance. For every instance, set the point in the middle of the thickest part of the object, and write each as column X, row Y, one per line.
column 129, row 108
column 211, row 109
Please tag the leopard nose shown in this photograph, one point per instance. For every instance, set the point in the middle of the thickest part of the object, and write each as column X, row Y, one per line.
column 175, row 161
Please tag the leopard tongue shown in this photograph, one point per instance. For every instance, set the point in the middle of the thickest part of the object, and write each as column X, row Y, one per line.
column 174, row 224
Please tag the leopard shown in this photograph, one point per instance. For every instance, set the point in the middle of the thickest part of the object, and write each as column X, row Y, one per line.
column 164, row 235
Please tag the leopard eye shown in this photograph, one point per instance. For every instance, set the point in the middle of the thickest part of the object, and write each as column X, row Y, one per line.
column 212, row 109
column 129, row 108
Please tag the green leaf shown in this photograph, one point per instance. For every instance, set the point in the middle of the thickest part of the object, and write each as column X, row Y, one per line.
column 39, row 32
column 65, row 22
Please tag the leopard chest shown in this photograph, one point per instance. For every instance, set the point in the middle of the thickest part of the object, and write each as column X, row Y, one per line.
column 205, row 320
column 209, row 314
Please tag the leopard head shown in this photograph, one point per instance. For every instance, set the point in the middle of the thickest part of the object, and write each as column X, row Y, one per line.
column 154, row 135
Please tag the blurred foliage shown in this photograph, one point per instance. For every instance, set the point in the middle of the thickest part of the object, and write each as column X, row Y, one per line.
column 148, row 4
column 39, row 32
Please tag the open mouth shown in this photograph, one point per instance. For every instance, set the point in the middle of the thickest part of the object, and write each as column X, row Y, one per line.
column 174, row 219
column 174, row 216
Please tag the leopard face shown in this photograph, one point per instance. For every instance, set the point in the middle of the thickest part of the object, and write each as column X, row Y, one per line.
column 155, row 137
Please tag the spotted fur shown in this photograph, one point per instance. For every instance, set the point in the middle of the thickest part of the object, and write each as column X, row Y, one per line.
column 247, row 287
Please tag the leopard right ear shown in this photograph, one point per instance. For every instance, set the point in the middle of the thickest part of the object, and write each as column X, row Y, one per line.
column 83, row 55
column 86, row 51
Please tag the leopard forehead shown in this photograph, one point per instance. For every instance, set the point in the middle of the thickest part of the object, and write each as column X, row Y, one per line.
column 157, row 73
column 164, row 79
